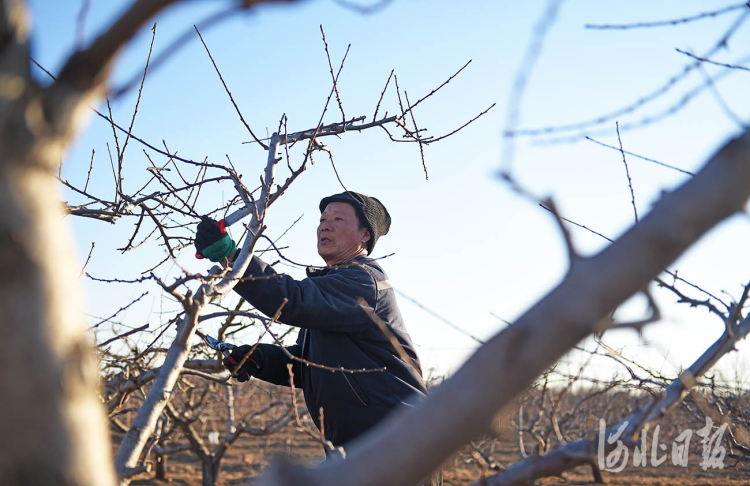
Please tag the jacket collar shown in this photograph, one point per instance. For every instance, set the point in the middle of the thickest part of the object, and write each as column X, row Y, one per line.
column 320, row 271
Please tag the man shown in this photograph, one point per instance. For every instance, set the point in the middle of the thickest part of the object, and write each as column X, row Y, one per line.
column 336, row 331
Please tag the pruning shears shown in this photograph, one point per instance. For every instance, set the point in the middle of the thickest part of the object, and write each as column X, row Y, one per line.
column 223, row 348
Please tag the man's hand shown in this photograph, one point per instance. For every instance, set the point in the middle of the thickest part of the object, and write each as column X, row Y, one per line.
column 250, row 363
column 212, row 240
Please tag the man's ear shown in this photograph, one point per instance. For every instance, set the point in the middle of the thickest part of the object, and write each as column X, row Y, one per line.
column 366, row 237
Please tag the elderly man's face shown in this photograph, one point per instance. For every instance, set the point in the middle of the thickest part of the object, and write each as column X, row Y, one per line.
column 339, row 237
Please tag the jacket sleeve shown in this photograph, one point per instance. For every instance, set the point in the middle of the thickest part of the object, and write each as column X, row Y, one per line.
column 328, row 302
column 274, row 367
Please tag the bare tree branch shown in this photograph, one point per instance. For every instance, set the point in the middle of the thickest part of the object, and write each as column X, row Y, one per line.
column 642, row 101
column 231, row 98
column 627, row 173
column 662, row 23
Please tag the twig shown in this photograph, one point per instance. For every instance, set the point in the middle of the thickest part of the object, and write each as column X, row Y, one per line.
column 398, row 95
column 327, row 445
column 715, row 63
column 627, row 172
column 172, row 191
column 662, row 23
column 364, row 9
column 334, row 78
column 158, row 336
column 201, row 176
column 641, row 157
column 114, row 173
column 576, row 224
column 433, row 140
column 720, row 100
column 178, row 43
column 286, row 143
column 140, row 140
column 439, row 317
column 87, row 259
column 671, row 82
column 121, row 153
column 132, row 331
column 117, row 147
column 377, row 107
column 413, row 368
column 268, row 322
column 160, row 227
column 668, row 272
column 120, row 310
column 171, row 159
column 572, row 252
column 231, row 98
column 115, row 280
column 135, row 232
column 81, row 23
column 534, row 49
column 330, row 157
column 321, row 421
column 696, row 287
column 312, row 136
column 302, row 265
column 91, row 166
column 416, row 130
column 436, row 89
column 693, row 302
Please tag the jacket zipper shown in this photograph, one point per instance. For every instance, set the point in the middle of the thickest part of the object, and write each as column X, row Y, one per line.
column 355, row 391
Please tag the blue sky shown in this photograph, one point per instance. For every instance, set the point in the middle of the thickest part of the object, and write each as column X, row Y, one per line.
column 465, row 245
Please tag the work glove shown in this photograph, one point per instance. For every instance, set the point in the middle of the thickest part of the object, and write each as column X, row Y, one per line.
column 212, row 240
column 250, row 367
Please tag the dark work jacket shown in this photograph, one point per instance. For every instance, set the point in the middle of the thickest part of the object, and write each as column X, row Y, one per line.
column 337, row 333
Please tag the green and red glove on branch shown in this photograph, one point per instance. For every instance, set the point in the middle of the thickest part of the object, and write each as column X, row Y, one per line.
column 212, row 240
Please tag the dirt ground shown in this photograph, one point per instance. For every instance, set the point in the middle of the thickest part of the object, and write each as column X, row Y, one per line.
column 249, row 455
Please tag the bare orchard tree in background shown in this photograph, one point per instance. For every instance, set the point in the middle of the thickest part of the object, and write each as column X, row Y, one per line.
column 62, row 439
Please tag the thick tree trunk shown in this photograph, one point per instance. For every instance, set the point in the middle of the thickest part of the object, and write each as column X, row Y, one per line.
column 51, row 422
